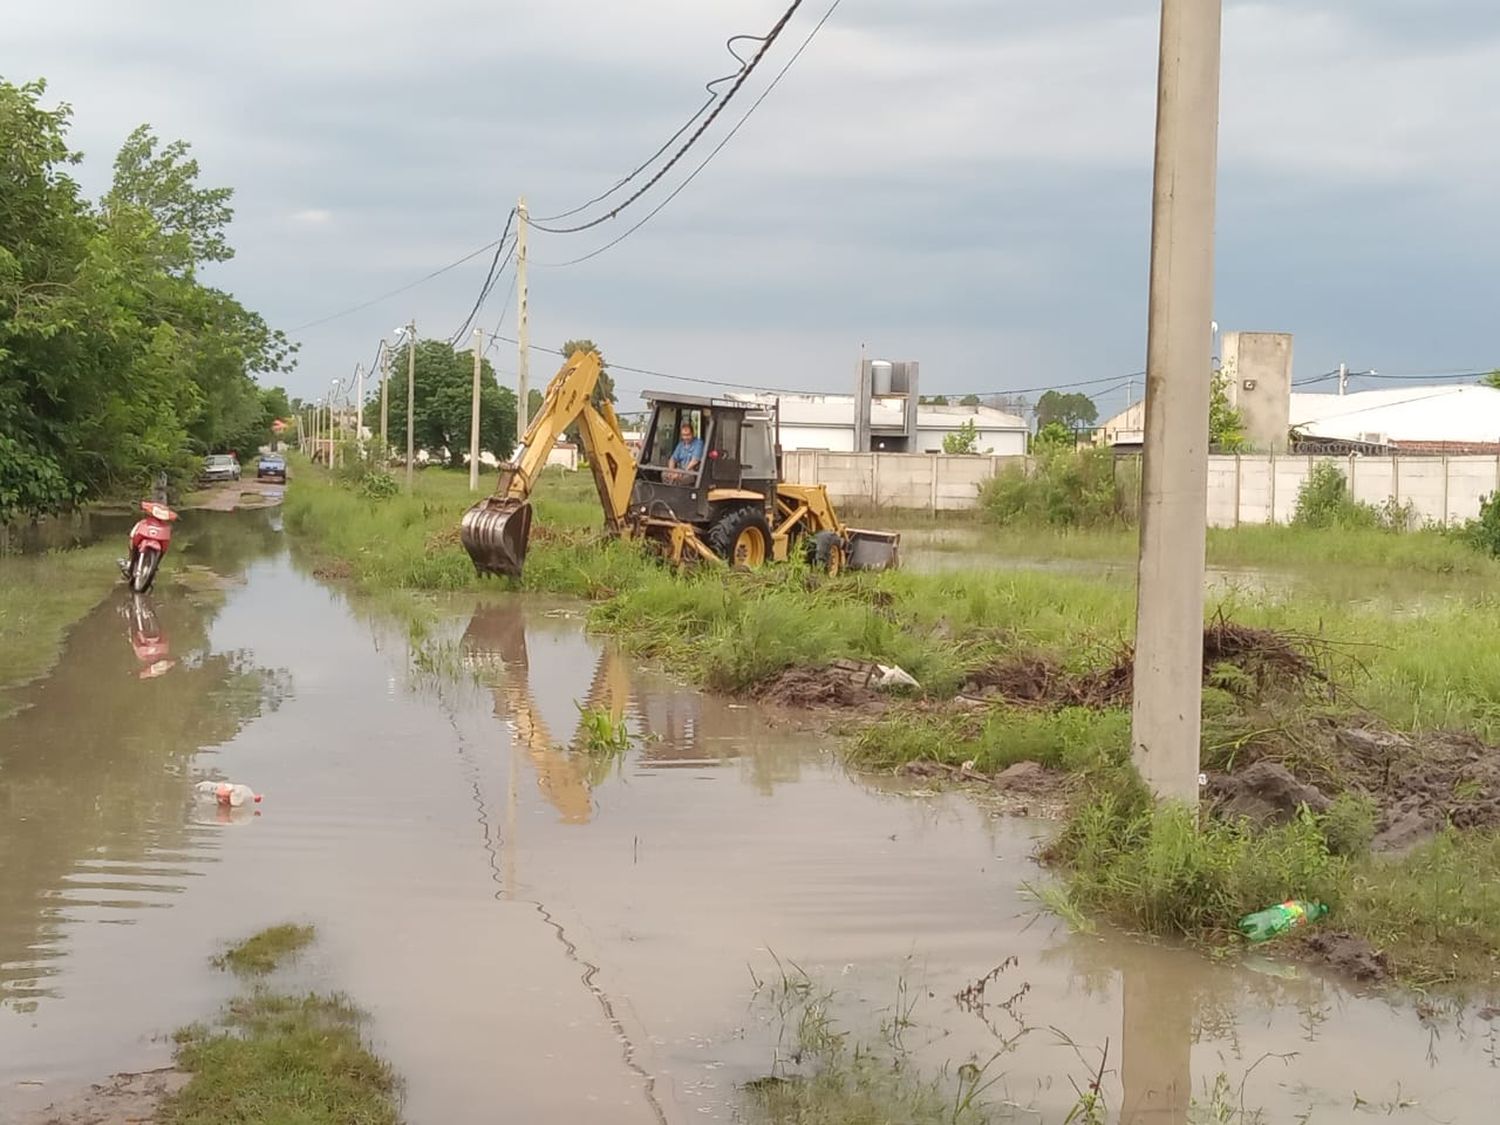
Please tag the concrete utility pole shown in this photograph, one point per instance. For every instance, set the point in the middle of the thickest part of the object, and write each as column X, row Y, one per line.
column 359, row 411
column 1168, row 696
column 385, row 408
column 474, row 415
column 1343, row 378
column 411, row 399
column 523, row 325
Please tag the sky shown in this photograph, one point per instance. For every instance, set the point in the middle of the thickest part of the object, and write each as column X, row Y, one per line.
column 966, row 183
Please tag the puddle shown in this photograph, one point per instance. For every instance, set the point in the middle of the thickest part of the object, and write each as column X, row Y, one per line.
column 543, row 936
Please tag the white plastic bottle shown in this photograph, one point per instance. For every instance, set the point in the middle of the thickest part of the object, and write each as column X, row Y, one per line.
column 226, row 793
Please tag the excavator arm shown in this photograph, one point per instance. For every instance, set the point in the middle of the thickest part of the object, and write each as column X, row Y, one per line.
column 495, row 532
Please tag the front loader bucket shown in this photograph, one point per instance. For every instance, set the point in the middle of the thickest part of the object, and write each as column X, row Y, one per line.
column 873, row 550
column 495, row 532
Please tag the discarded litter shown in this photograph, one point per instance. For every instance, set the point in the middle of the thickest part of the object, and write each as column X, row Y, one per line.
column 226, row 793
column 889, row 676
column 1279, row 919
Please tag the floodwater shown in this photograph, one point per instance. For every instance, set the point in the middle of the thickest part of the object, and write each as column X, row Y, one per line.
column 540, row 937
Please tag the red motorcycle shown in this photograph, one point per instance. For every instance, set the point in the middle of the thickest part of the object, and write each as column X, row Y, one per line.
column 149, row 540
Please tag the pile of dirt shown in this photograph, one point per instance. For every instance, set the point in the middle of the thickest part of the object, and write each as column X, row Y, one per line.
column 1266, row 657
column 1419, row 782
column 1348, row 954
column 1425, row 782
column 1264, row 793
column 817, row 687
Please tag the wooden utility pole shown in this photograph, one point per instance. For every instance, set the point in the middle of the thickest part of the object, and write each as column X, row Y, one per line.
column 411, row 400
column 523, row 323
column 1166, row 714
column 385, row 408
column 474, row 415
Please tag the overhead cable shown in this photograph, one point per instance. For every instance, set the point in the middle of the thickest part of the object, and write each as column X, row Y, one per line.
column 472, row 254
column 682, row 151
column 713, row 153
column 713, row 95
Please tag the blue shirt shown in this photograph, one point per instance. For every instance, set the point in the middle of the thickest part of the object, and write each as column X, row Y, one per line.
column 686, row 453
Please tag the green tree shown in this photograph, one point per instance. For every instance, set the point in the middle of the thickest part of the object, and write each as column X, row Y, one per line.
column 162, row 180
column 1226, row 425
column 1075, row 411
column 965, row 439
column 970, row 400
column 443, row 392
column 1054, row 435
column 1492, row 379
column 115, row 363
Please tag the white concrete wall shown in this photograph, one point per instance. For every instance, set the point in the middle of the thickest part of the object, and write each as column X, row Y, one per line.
column 1245, row 489
column 930, row 481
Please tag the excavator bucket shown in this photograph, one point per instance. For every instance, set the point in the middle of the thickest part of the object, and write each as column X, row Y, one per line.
column 495, row 532
column 873, row 550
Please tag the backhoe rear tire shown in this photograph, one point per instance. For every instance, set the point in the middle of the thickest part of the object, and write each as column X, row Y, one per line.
column 742, row 538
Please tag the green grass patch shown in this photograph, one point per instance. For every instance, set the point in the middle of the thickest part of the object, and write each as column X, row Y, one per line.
column 266, row 950
column 1435, row 912
column 272, row 1057
column 1073, row 739
column 41, row 598
column 284, row 1059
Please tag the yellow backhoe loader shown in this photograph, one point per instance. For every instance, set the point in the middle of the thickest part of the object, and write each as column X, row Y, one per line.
column 728, row 506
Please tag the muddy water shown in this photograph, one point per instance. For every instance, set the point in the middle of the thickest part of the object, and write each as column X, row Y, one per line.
column 539, row 936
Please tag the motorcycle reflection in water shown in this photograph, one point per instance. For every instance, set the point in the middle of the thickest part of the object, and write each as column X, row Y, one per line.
column 147, row 638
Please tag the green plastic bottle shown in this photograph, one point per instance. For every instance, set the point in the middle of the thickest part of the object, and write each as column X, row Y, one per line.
column 1275, row 920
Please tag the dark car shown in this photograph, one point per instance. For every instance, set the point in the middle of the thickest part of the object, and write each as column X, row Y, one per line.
column 271, row 466
column 221, row 466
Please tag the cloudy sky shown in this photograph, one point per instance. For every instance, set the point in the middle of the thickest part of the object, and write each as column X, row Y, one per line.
column 963, row 182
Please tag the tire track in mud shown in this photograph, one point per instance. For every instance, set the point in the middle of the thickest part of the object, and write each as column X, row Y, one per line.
column 589, row 971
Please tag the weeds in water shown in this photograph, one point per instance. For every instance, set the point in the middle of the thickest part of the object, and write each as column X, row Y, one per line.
column 265, row 951
column 601, row 734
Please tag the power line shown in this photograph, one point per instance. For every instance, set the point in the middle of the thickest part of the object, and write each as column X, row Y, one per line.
column 489, row 280
column 385, row 296
column 713, row 153
column 713, row 95
column 739, row 81
column 484, row 295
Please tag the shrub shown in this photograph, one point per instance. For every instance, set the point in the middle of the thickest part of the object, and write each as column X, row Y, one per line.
column 1483, row 534
column 1065, row 488
column 1323, row 501
column 378, row 485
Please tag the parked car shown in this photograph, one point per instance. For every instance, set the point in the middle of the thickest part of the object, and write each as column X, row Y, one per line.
column 221, row 466
column 271, row 466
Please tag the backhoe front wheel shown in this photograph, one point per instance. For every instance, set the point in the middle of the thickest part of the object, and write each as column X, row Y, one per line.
column 742, row 538
column 825, row 552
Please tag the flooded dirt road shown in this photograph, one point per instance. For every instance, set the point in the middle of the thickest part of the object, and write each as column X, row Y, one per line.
column 540, row 936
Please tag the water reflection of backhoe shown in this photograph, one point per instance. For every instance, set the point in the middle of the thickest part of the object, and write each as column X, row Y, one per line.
column 497, row 634
column 147, row 638
column 683, row 729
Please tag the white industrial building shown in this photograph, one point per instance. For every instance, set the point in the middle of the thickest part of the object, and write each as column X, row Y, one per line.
column 1451, row 418
column 826, row 422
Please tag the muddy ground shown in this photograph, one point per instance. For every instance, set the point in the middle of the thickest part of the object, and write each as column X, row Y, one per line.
column 126, row 1099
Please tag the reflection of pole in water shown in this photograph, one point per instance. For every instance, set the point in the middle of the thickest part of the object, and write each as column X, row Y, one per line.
column 511, row 888
column 1156, row 1067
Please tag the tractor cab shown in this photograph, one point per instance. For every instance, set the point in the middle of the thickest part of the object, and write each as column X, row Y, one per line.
column 737, row 466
